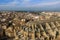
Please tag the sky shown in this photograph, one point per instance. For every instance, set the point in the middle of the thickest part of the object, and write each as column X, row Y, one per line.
column 30, row 5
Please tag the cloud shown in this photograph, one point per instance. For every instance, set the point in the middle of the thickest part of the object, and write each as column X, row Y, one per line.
column 49, row 3
column 27, row 3
column 12, row 3
column 16, row 3
column 44, row 4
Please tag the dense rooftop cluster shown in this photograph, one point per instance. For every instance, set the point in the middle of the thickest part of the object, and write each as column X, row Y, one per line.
column 29, row 25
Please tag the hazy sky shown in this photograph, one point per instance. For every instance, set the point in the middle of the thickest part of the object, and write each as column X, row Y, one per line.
column 30, row 5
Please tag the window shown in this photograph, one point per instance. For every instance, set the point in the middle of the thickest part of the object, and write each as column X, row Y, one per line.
column 30, row 29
